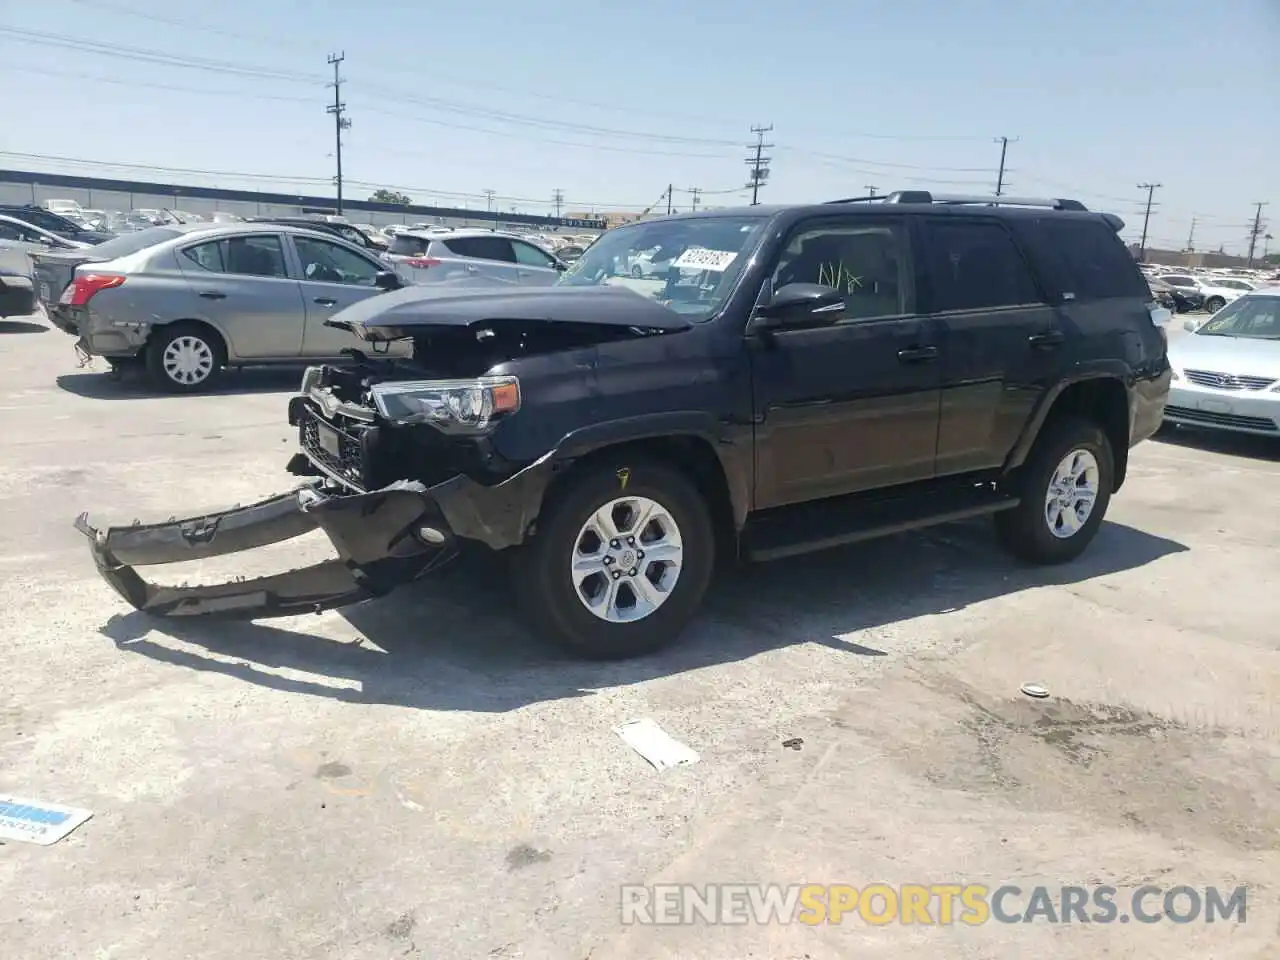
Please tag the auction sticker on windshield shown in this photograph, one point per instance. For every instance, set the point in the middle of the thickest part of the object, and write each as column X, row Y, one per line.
column 699, row 258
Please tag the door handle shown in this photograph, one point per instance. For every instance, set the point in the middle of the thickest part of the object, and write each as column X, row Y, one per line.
column 471, row 269
column 212, row 295
column 918, row 354
column 1047, row 341
column 326, row 301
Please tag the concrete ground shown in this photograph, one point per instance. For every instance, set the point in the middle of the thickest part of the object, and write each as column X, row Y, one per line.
column 419, row 778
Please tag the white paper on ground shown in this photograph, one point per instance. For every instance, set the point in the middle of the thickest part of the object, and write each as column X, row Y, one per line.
column 654, row 744
column 35, row 821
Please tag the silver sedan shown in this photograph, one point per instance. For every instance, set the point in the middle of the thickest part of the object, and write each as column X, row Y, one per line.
column 186, row 300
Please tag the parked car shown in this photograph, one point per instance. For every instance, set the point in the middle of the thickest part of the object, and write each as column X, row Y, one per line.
column 371, row 234
column 54, row 223
column 186, row 300
column 1226, row 374
column 429, row 257
column 1188, row 288
column 621, row 436
column 1177, row 299
column 64, row 207
column 338, row 228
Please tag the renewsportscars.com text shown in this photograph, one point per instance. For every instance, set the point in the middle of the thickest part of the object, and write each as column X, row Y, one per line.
column 937, row 904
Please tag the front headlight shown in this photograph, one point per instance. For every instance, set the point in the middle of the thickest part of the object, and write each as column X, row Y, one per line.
column 454, row 406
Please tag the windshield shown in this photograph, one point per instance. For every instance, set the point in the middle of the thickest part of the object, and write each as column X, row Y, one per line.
column 133, row 242
column 689, row 266
column 1249, row 318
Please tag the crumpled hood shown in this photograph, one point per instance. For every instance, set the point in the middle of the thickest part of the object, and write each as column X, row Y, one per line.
column 405, row 312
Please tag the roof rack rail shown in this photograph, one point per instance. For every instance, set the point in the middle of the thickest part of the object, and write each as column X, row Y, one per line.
column 924, row 196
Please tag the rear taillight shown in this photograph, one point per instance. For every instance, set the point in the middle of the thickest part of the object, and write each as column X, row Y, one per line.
column 84, row 286
column 421, row 262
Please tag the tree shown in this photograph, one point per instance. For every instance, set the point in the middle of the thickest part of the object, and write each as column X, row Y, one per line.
column 383, row 195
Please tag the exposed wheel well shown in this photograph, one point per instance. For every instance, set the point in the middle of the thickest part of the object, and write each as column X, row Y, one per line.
column 693, row 456
column 1105, row 402
column 215, row 337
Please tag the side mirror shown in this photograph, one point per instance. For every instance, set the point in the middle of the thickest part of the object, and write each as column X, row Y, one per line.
column 387, row 280
column 561, row 266
column 1189, row 325
column 800, row 305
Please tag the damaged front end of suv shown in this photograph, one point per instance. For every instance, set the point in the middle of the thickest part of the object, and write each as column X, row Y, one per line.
column 398, row 455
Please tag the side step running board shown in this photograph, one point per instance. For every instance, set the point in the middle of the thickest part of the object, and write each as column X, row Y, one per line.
column 789, row 531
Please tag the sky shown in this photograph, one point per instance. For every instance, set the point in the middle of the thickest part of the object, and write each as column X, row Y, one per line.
column 611, row 102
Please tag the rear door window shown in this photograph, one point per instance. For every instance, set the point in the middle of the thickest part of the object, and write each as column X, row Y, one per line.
column 482, row 248
column 1087, row 259
column 256, row 256
column 975, row 265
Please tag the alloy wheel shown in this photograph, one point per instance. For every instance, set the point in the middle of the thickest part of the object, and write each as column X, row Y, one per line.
column 626, row 559
column 1072, row 493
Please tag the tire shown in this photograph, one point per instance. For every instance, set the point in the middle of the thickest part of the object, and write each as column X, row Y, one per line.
column 203, row 349
column 1214, row 304
column 1026, row 530
column 637, row 272
column 555, row 596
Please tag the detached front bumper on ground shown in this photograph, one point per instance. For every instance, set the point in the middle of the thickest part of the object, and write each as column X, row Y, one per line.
column 383, row 539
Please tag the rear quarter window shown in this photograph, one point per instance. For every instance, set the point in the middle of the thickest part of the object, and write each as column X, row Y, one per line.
column 1085, row 258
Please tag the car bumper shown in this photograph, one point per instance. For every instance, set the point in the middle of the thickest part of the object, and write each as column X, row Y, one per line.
column 383, row 539
column 1255, row 412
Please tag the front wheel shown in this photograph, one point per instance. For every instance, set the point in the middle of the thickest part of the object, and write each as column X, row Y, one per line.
column 1214, row 304
column 1064, row 489
column 621, row 559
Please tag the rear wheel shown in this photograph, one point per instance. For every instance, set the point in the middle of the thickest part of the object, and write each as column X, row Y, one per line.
column 1065, row 487
column 1214, row 304
column 185, row 357
column 621, row 559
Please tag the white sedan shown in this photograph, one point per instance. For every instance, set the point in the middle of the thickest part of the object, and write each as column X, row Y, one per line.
column 1226, row 374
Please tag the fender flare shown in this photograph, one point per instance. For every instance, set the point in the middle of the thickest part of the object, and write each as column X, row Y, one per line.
column 736, row 458
column 1092, row 370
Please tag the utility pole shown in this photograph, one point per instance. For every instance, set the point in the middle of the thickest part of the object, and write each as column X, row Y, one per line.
column 671, row 187
column 1004, row 150
column 695, row 192
column 758, row 162
column 1255, row 231
column 871, row 189
column 1151, row 188
column 557, row 197
column 488, row 199
column 1191, row 237
column 340, row 119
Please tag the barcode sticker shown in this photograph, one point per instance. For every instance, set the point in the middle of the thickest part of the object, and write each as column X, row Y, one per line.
column 699, row 258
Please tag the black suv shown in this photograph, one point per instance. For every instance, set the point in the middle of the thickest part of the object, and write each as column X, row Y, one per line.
column 770, row 381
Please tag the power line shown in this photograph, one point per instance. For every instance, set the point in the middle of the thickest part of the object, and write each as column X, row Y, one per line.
column 759, row 163
column 1151, row 188
column 340, row 120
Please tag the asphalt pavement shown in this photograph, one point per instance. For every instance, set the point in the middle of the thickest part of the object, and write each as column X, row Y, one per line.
column 418, row 777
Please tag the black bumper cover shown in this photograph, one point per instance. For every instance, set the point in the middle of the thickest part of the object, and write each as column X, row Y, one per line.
column 383, row 539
